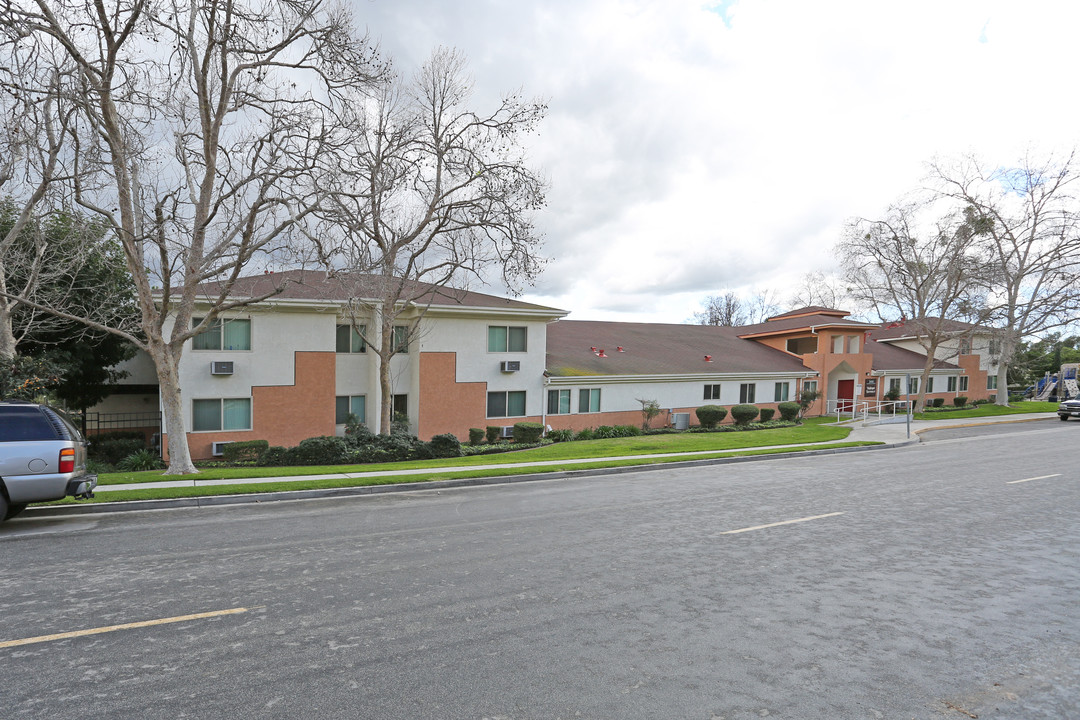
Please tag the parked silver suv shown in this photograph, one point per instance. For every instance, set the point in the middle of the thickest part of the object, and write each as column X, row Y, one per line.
column 42, row 457
column 1069, row 408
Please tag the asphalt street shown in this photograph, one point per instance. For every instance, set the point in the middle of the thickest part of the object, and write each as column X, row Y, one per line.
column 940, row 580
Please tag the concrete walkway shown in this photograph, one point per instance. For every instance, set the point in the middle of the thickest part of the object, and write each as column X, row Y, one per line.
column 891, row 435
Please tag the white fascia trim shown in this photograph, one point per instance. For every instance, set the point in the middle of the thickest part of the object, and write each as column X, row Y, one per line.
column 697, row 377
column 271, row 304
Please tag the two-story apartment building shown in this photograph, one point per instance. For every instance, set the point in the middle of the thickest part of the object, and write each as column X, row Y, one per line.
column 295, row 365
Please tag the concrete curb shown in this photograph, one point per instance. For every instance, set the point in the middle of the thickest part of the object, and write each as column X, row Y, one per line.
column 422, row 485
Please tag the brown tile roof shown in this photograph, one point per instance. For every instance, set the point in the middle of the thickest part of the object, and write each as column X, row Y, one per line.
column 319, row 285
column 890, row 357
column 911, row 328
column 810, row 310
column 657, row 349
column 782, row 325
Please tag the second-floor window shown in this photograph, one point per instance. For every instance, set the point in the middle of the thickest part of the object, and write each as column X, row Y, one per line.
column 965, row 346
column 507, row 339
column 223, row 334
column 401, row 338
column 351, row 339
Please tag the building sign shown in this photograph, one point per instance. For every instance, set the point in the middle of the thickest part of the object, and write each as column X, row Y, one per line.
column 871, row 387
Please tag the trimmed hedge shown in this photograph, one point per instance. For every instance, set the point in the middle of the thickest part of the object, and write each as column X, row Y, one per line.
column 959, row 400
column 112, row 447
column 766, row 414
column 476, row 436
column 244, row 451
column 445, row 446
column 527, row 432
column 789, row 411
column 938, row 402
column 710, row 415
column 493, row 432
column 744, row 414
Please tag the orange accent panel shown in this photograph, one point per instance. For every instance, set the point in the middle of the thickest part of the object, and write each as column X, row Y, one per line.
column 446, row 405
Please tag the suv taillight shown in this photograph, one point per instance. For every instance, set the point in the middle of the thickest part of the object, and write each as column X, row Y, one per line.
column 67, row 460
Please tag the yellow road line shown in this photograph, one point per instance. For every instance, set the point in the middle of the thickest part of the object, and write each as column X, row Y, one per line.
column 784, row 522
column 125, row 626
column 1041, row 477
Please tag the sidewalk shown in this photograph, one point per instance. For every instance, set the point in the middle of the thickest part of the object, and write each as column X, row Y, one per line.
column 890, row 435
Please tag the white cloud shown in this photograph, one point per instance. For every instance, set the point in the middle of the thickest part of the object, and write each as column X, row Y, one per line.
column 689, row 155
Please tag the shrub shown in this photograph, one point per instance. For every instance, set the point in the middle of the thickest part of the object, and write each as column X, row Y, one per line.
column 789, row 411
column 274, row 456
column 605, row 432
column 1016, row 398
column 527, row 432
column 113, row 449
column 321, row 450
column 710, row 415
column 476, row 436
column 766, row 414
column 566, row 435
column 744, row 414
column 445, row 446
column 244, row 451
column 959, row 400
column 139, row 461
column 893, row 394
column 627, row 431
column 938, row 402
column 585, row 434
column 493, row 433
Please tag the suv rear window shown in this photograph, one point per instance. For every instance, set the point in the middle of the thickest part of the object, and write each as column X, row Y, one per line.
column 26, row 423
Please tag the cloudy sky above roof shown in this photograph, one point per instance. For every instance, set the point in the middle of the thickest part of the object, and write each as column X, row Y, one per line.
column 695, row 147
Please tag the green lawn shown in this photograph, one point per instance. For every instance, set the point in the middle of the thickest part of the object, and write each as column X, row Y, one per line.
column 1015, row 408
column 641, row 445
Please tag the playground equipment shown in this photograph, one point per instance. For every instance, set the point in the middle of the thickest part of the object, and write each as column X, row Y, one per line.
column 1063, row 384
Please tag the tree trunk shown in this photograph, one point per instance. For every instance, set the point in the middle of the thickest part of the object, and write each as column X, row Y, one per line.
column 167, row 363
column 920, row 402
column 386, row 389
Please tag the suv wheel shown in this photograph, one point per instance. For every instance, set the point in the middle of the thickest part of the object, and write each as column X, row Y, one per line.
column 14, row 509
column 1063, row 417
column 3, row 506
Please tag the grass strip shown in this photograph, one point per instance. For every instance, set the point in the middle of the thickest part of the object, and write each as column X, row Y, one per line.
column 1017, row 408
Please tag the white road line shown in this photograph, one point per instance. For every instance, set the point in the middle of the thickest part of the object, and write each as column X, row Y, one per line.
column 775, row 524
column 125, row 626
column 1041, row 477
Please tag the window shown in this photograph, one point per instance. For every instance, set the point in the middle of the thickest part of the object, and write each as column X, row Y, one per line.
column 506, row 404
column 853, row 344
column 809, row 386
column 951, row 384
column 223, row 334
column 802, row 346
column 991, row 382
column 589, row 400
column 838, row 344
column 401, row 338
column 350, row 339
column 963, row 383
column 913, row 386
column 780, row 394
column 965, row 346
column 747, row 392
column 558, row 402
column 399, row 407
column 995, row 346
column 894, row 384
column 350, row 404
column 221, row 414
column 712, row 392
column 929, row 385
column 507, row 339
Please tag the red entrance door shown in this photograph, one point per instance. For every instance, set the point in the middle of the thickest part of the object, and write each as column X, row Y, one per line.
column 845, row 395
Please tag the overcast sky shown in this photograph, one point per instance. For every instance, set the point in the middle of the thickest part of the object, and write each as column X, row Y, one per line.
column 697, row 147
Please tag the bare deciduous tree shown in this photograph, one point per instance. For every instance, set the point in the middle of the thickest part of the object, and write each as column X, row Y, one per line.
column 818, row 290
column 211, row 117
column 430, row 193
column 1030, row 222
column 927, row 275
column 722, row 310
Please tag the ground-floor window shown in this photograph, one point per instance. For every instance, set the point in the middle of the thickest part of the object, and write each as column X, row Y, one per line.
column 510, row 403
column 589, row 400
column 951, row 384
column 350, row 405
column 712, row 392
column 894, row 385
column 809, row 386
column 400, row 406
column 558, row 402
column 929, row 384
column 991, row 382
column 913, row 386
column 747, row 392
column 221, row 414
column 963, row 383
column 780, row 394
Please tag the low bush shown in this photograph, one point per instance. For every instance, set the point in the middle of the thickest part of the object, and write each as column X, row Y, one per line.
column 937, row 402
column 744, row 414
column 527, row 432
column 766, row 415
column 274, row 456
column 493, row 432
column 322, row 450
column 1016, row 398
column 959, row 400
column 789, row 411
column 244, row 451
column 445, row 446
column 564, row 435
column 140, row 461
column 585, row 434
column 710, row 415
column 476, row 436
column 627, row 431
column 111, row 449
column 605, row 432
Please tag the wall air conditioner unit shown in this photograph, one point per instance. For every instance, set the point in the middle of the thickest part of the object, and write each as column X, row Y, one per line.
column 217, row 449
column 509, row 366
column 507, row 431
column 221, row 367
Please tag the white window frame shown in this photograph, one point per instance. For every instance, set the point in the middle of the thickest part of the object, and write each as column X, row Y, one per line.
column 349, row 407
column 356, row 333
column 590, row 393
column 963, row 383
column 221, row 414
column 562, row 400
column 747, row 393
column 506, row 337
column 506, row 403
column 219, row 324
column 782, row 391
column 712, row 391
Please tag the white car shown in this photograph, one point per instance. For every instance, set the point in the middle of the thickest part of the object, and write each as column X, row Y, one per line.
column 1069, row 408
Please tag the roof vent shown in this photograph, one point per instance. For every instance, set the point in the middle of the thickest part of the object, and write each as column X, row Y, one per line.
column 708, row 358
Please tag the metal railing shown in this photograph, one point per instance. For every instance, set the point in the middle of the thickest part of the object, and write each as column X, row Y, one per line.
column 864, row 409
